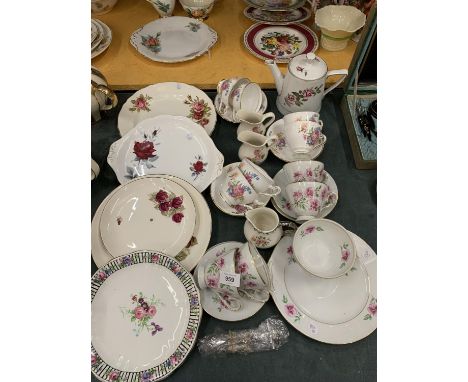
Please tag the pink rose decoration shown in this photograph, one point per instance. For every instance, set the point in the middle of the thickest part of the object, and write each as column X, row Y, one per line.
column 189, row 334
column 290, row 250
column 102, row 276
column 198, row 107
column 93, row 359
column 174, row 359
column 314, row 205
column 164, row 207
column 212, row 282
column 177, row 202
column 372, row 309
column 140, row 103
column 152, row 310
column 113, row 376
column 242, row 268
column 144, row 150
column 220, row 262
column 198, row 166
column 177, row 217
column 290, row 309
column 310, row 229
column 291, row 98
column 161, row 196
column 307, row 93
column 309, row 173
column 198, row 116
column 204, row 122
column 139, row 312
column 309, row 191
column 297, row 195
column 155, row 258
column 344, row 254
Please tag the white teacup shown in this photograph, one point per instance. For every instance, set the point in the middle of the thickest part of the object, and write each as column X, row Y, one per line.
column 252, row 121
column 301, row 116
column 247, row 96
column 304, row 171
column 303, row 136
column 225, row 88
column 255, row 275
column 308, row 199
column 209, row 277
column 258, row 178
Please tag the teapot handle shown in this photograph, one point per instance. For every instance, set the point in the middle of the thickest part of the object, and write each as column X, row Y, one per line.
column 343, row 72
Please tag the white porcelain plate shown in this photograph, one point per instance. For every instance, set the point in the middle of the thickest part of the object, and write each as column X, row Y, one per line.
column 228, row 115
column 280, row 42
column 280, row 147
column 97, row 34
column 277, row 17
column 190, row 255
column 210, row 301
column 218, row 199
column 145, row 315
column 276, row 5
column 172, row 98
column 149, row 213
column 173, row 39
column 167, row 145
column 105, row 41
column 281, row 201
column 335, row 311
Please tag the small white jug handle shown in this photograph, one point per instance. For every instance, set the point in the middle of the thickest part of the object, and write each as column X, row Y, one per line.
column 343, row 72
column 270, row 116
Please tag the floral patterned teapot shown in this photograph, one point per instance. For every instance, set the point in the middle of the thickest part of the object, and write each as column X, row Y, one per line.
column 303, row 87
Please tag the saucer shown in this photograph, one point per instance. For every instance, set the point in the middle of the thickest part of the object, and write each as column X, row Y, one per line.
column 211, row 302
column 228, row 115
column 335, row 311
column 218, row 199
column 280, row 201
column 104, row 42
column 280, row 148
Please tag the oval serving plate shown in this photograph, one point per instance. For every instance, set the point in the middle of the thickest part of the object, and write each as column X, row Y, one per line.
column 167, row 145
column 171, row 98
column 277, row 17
column 149, row 213
column 276, row 5
column 145, row 316
column 279, row 42
column 173, row 39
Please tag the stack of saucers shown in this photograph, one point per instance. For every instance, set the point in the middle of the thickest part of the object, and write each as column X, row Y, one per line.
column 101, row 37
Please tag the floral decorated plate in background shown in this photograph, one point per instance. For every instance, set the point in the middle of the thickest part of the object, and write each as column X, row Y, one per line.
column 105, row 41
column 173, row 39
column 276, row 5
column 171, row 98
column 188, row 256
column 211, row 302
column 280, row 148
column 347, row 314
column 148, row 213
column 145, row 315
column 281, row 201
column 277, row 17
column 279, row 42
column 219, row 201
column 167, row 145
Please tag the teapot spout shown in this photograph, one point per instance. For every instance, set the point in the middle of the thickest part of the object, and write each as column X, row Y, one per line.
column 276, row 74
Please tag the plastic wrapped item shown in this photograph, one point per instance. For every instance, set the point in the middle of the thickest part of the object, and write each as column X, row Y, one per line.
column 270, row 335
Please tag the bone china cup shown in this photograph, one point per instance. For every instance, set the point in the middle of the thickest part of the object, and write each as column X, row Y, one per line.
column 308, row 199
column 236, row 190
column 198, row 9
column 304, row 116
column 324, row 248
column 258, row 178
column 303, row 136
column 304, row 171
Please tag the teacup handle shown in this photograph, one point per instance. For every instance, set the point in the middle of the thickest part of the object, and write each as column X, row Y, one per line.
column 229, row 303
column 323, row 140
column 270, row 115
column 332, row 199
column 288, row 226
column 111, row 98
column 272, row 191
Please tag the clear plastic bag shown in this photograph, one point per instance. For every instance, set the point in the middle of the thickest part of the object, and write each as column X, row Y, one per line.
column 271, row 334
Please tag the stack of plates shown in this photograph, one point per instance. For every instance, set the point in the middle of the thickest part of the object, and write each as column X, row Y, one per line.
column 101, row 37
column 157, row 213
column 274, row 12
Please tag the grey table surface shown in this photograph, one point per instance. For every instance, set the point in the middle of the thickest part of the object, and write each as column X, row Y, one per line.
column 301, row 358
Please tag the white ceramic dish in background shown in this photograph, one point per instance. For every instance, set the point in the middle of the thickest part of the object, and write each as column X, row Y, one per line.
column 94, row 31
column 338, row 23
column 145, row 316
column 105, row 42
column 98, row 36
column 280, row 147
column 100, row 7
column 189, row 256
column 133, row 219
column 198, row 9
column 275, row 5
column 167, row 145
column 173, row 39
column 336, row 319
column 211, row 302
column 172, row 98
column 219, row 202
column 282, row 204
column 277, row 17
column 229, row 114
column 324, row 248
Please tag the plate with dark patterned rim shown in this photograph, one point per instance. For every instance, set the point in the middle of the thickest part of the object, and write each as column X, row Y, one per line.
column 145, row 315
column 280, row 42
column 276, row 5
column 277, row 17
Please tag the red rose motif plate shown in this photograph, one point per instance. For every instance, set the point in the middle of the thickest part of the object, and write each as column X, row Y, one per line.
column 172, row 98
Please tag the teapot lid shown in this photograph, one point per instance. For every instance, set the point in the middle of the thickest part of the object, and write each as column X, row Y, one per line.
column 308, row 67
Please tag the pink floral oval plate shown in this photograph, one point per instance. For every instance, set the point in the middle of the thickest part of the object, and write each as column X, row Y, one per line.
column 171, row 98
column 145, row 315
column 336, row 311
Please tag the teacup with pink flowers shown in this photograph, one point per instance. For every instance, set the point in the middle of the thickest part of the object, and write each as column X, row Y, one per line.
column 305, row 171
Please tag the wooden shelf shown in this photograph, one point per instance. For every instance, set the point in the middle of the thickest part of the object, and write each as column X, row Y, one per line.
column 126, row 69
